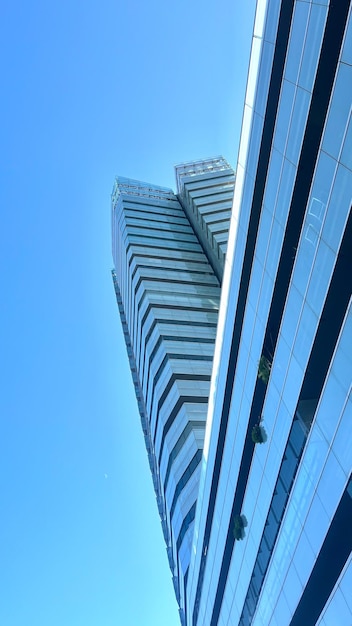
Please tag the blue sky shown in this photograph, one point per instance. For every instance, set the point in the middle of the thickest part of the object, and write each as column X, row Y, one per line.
column 91, row 89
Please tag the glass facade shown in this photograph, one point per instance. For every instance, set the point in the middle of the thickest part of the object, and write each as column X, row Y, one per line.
column 288, row 294
column 285, row 301
column 168, row 296
column 205, row 190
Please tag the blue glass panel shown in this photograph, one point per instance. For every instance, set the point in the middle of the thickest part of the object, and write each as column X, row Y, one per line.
column 305, row 334
column 316, row 524
column 304, row 558
column 338, row 611
column 264, row 77
column 271, row 20
column 347, row 48
column 293, row 588
column 298, row 31
column 340, row 203
column 256, row 137
column 285, row 191
column 346, row 585
column 339, row 112
column 298, row 122
column 312, row 48
column 320, row 278
column 342, row 443
column 331, row 486
column 315, row 454
column 330, row 407
column 346, row 156
column 273, row 176
column 276, row 239
column 284, row 115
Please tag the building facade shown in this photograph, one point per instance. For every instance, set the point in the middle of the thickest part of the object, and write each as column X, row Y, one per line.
column 168, row 296
column 268, row 540
column 205, row 190
column 286, row 301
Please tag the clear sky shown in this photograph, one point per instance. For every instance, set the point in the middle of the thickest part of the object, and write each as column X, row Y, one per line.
column 91, row 89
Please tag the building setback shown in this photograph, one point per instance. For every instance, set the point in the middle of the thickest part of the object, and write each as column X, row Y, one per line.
column 257, row 533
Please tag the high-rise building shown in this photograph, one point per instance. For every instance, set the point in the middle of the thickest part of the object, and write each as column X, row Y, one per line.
column 168, row 295
column 269, row 538
column 205, row 190
column 286, row 305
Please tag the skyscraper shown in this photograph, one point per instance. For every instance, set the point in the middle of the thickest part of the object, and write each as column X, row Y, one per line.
column 268, row 540
column 286, row 305
column 168, row 295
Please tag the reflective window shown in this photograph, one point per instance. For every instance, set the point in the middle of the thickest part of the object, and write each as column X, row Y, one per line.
column 347, row 48
column 319, row 280
column 272, row 17
column 264, row 77
column 293, row 588
column 273, row 176
column 284, row 115
column 339, row 111
column 342, row 443
column 256, row 137
column 305, row 335
column 339, row 206
column 320, row 193
column 331, row 405
column 346, row 156
column 315, row 454
column 298, row 31
column 338, row 611
column 304, row 557
column 298, row 122
column 275, row 244
column 311, row 51
column 346, row 583
column 285, row 191
column 293, row 309
column 331, row 486
column 316, row 524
